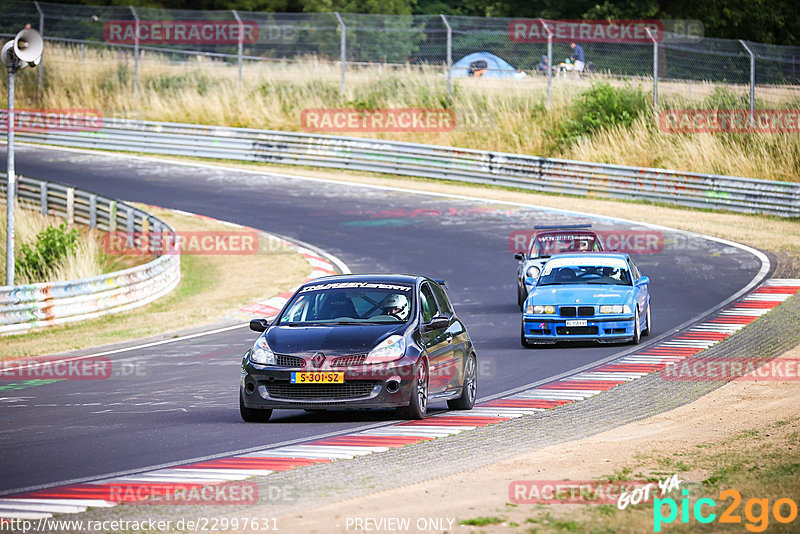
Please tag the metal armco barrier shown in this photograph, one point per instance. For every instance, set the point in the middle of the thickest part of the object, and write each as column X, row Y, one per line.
column 708, row 191
column 50, row 303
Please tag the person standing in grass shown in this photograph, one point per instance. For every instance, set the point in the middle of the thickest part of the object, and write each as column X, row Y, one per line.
column 578, row 58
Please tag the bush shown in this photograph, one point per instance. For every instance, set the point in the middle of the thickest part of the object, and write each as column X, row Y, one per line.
column 52, row 245
column 600, row 108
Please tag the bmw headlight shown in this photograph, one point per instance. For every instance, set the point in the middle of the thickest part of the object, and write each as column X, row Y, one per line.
column 262, row 353
column 615, row 308
column 538, row 310
column 390, row 349
column 532, row 272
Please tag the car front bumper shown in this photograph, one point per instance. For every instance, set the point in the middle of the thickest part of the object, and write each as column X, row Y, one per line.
column 539, row 329
column 367, row 386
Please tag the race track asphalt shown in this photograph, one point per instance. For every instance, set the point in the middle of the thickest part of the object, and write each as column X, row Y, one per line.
column 182, row 403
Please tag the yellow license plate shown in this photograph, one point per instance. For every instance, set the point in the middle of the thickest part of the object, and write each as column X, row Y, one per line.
column 318, row 378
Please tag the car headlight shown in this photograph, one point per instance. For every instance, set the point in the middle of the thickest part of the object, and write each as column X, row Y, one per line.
column 540, row 309
column 262, row 353
column 532, row 272
column 615, row 308
column 390, row 349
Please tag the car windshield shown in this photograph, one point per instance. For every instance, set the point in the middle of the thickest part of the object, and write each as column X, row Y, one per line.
column 549, row 244
column 585, row 274
column 355, row 303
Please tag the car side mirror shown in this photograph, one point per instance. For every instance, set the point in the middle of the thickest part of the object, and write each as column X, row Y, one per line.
column 258, row 325
column 519, row 256
column 436, row 323
column 643, row 281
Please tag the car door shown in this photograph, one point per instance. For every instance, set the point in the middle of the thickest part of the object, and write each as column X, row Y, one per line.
column 436, row 343
column 454, row 367
column 640, row 291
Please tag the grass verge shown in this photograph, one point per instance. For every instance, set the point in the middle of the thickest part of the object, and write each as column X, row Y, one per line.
column 210, row 288
column 500, row 115
column 760, row 464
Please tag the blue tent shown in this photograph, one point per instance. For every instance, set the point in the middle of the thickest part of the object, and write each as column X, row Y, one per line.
column 495, row 67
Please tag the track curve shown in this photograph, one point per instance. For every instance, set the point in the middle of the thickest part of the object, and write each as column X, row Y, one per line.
column 186, row 407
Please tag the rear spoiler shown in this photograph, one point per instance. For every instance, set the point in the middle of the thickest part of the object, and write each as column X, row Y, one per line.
column 440, row 281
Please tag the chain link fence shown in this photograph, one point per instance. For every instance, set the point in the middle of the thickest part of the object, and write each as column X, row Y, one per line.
column 356, row 44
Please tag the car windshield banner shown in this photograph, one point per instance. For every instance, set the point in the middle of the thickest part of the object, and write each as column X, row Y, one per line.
column 356, row 285
column 578, row 261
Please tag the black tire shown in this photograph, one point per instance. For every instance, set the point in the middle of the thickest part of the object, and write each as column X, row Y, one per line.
column 646, row 331
column 521, row 297
column 418, row 406
column 522, row 340
column 637, row 328
column 253, row 415
column 470, row 388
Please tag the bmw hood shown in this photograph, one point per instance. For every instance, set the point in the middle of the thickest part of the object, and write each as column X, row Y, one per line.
column 334, row 339
column 580, row 294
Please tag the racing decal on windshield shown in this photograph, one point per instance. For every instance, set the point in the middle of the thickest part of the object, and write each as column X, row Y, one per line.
column 356, row 285
column 565, row 238
column 557, row 262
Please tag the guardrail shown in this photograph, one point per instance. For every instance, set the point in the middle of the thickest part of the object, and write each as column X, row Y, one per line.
column 697, row 190
column 35, row 305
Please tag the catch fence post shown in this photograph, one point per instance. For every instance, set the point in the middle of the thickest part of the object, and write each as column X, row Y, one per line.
column 241, row 42
column 343, row 48
column 549, row 60
column 135, row 50
column 449, row 54
column 752, row 84
column 41, row 32
column 655, row 69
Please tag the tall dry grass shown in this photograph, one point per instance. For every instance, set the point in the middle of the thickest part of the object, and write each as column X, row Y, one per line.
column 491, row 114
column 87, row 259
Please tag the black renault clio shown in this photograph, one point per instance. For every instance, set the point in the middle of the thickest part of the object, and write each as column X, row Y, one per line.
column 360, row 341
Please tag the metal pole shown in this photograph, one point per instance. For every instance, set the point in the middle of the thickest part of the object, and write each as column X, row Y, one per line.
column 41, row 32
column 241, row 43
column 343, row 46
column 655, row 69
column 752, row 84
column 11, row 183
column 449, row 54
column 549, row 60
column 135, row 50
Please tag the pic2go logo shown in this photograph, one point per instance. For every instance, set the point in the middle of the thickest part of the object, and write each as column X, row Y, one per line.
column 756, row 511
